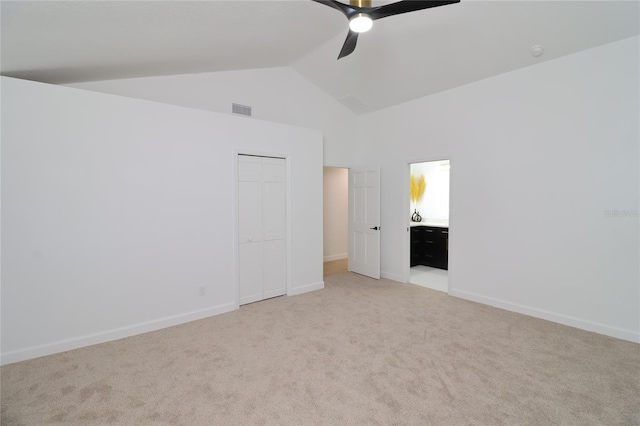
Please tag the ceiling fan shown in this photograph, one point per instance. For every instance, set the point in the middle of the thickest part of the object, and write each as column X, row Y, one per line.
column 361, row 15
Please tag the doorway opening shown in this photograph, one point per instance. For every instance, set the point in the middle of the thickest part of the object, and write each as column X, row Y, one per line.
column 428, row 216
column 335, row 220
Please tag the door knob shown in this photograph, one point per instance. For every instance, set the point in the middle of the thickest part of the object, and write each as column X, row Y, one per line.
column 375, row 228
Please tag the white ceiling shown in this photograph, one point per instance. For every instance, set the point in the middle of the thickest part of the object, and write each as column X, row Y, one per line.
column 403, row 57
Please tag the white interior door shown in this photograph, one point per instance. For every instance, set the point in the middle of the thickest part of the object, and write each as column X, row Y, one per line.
column 262, row 222
column 364, row 222
column 274, row 206
column 250, row 228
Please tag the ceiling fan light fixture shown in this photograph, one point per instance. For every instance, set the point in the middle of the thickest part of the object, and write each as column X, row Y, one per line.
column 361, row 15
column 360, row 23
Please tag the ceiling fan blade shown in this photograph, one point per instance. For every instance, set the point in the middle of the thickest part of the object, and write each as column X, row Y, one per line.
column 349, row 44
column 346, row 9
column 406, row 6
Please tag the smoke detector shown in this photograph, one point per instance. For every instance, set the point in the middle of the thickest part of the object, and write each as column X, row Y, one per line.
column 537, row 50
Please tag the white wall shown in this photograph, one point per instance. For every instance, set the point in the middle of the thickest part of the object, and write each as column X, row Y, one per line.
column 116, row 210
column 336, row 213
column 538, row 156
column 104, row 212
column 280, row 95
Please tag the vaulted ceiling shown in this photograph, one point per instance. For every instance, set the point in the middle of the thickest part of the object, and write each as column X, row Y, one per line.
column 403, row 57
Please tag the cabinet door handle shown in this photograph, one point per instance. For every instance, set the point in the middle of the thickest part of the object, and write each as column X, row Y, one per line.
column 429, row 230
column 445, row 232
column 375, row 228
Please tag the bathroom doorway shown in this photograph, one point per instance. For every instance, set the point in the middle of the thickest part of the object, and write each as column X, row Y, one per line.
column 428, row 218
column 335, row 220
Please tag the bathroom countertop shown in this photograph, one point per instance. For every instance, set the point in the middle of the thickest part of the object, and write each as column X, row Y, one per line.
column 440, row 224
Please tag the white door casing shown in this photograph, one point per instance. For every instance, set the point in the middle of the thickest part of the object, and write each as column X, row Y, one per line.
column 364, row 221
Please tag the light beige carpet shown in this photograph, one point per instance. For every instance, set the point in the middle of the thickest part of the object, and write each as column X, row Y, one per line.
column 360, row 351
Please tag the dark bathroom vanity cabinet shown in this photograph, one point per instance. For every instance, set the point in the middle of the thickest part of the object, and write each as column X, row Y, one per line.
column 430, row 246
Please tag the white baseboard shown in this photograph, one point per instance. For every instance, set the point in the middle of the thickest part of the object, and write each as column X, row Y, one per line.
column 595, row 327
column 390, row 276
column 335, row 257
column 115, row 334
column 307, row 288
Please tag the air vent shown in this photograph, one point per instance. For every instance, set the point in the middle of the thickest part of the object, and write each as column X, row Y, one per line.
column 353, row 102
column 241, row 109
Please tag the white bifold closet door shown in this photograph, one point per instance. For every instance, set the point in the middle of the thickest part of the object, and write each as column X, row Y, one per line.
column 262, row 224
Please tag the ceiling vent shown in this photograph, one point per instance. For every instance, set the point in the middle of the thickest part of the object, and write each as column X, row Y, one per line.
column 241, row 109
column 353, row 102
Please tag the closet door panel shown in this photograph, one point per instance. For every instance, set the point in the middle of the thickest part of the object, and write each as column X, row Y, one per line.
column 274, row 268
column 249, row 199
column 274, row 175
column 274, row 169
column 249, row 168
column 274, row 211
column 250, row 272
column 249, row 212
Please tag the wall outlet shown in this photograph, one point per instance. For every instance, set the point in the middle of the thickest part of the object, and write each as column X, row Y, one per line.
column 202, row 290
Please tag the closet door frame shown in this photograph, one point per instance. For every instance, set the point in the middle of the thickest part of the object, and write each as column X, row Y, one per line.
column 236, row 225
